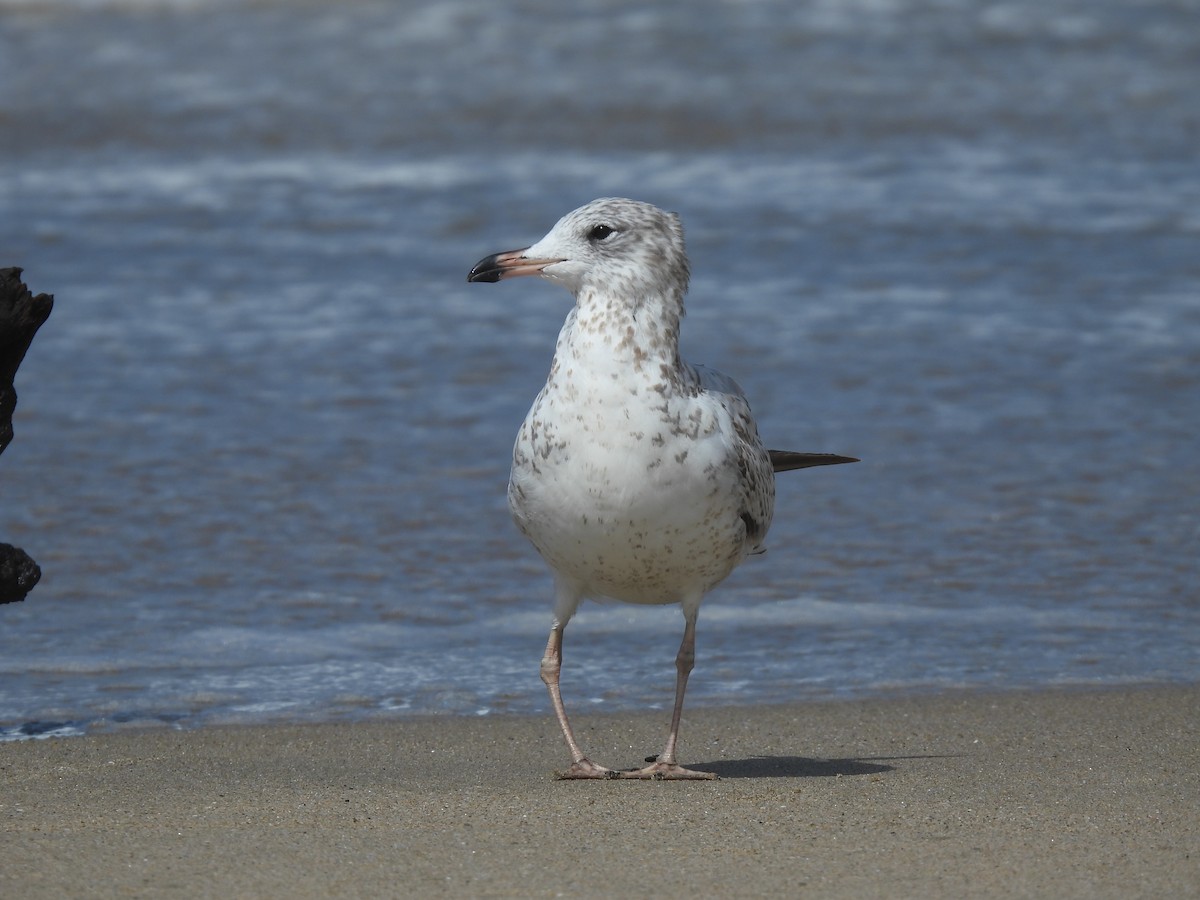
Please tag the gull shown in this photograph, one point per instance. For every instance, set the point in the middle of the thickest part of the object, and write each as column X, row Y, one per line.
column 636, row 476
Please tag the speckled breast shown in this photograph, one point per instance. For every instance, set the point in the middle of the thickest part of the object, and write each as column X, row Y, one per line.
column 627, row 514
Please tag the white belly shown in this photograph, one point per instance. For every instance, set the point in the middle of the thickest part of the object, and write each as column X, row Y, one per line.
column 639, row 515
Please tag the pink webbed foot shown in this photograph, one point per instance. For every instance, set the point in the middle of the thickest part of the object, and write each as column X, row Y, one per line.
column 661, row 771
column 585, row 768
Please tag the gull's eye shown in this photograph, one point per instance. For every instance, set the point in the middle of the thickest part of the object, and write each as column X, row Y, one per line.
column 599, row 233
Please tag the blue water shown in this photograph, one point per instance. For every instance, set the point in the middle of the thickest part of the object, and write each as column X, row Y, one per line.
column 262, row 443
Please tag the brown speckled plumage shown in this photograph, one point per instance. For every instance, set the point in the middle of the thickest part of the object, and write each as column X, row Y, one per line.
column 636, row 476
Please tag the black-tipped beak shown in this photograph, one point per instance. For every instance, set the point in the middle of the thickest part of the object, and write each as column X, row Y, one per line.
column 509, row 264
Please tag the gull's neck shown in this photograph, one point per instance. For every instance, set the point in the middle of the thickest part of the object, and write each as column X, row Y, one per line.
column 610, row 336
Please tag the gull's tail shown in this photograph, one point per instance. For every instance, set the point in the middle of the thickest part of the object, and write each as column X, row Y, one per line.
column 786, row 460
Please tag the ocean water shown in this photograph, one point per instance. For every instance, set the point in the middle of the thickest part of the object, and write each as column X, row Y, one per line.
column 262, row 443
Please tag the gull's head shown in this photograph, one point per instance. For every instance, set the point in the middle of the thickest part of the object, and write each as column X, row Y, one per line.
column 613, row 244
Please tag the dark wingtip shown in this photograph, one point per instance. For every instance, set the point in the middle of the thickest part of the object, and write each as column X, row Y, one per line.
column 787, row 460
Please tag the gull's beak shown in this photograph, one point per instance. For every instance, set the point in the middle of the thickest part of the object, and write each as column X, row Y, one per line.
column 509, row 264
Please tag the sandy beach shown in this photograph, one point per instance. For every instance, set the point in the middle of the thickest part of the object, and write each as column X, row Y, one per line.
column 1063, row 794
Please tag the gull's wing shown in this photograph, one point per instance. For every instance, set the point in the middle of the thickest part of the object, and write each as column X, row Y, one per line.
column 749, row 454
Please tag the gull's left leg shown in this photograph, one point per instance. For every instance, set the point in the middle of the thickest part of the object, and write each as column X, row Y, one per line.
column 665, row 767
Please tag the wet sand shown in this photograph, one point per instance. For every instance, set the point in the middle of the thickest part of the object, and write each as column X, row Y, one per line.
column 1062, row 793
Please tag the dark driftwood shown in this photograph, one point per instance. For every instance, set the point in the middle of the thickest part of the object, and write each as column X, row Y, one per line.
column 21, row 315
column 18, row 573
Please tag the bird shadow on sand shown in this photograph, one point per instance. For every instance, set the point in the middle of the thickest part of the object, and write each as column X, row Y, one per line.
column 797, row 767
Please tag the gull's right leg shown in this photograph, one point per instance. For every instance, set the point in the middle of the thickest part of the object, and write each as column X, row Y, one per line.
column 581, row 766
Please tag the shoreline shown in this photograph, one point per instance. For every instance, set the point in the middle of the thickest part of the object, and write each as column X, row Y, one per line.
column 66, row 728
column 1070, row 792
